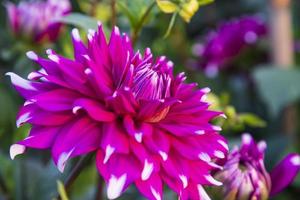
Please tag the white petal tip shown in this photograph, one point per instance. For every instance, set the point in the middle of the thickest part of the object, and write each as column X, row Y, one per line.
column 219, row 154
column 184, row 180
column 16, row 149
column 221, row 142
column 295, row 160
column 246, row 138
column 54, row 58
column 138, row 137
column 156, row 194
column 62, row 160
column 163, row 155
column 217, row 128
column 223, row 116
column 115, row 186
column 109, row 150
column 200, row 132
column 76, row 35
column 32, row 56
column 76, row 109
column 213, row 181
column 206, row 90
column 147, row 170
column 88, row 71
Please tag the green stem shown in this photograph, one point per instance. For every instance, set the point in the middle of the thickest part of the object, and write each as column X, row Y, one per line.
column 99, row 193
column 113, row 13
column 171, row 24
column 139, row 26
column 80, row 165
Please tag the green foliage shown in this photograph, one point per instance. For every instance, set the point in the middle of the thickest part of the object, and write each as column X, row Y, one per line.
column 80, row 20
column 277, row 87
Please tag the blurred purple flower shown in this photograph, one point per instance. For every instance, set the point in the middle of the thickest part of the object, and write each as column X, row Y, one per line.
column 148, row 126
column 229, row 40
column 244, row 175
column 36, row 20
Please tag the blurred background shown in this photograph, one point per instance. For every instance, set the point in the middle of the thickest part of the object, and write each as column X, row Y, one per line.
column 246, row 51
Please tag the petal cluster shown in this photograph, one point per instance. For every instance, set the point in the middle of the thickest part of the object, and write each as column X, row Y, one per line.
column 228, row 41
column 147, row 126
column 245, row 177
column 36, row 20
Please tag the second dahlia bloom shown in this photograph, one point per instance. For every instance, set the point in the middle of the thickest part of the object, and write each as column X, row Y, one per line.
column 244, row 175
column 228, row 42
column 147, row 126
column 36, row 20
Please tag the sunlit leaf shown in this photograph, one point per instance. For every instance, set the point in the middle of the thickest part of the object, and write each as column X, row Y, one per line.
column 79, row 20
column 252, row 120
column 166, row 6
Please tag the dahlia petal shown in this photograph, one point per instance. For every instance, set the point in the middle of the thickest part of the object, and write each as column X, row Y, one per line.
column 94, row 109
column 13, row 16
column 151, row 188
column 118, row 98
column 69, row 142
column 40, row 137
column 76, row 72
column 137, row 132
column 202, row 193
column 38, row 117
column 181, row 129
column 111, row 131
column 147, row 170
column 117, row 178
column 118, row 63
column 79, row 47
column 36, row 75
column 284, row 173
column 26, row 88
column 56, row 100
column 16, row 149
column 158, row 143
column 98, row 49
column 101, row 76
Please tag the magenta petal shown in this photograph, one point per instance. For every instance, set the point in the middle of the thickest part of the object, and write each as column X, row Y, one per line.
column 111, row 131
column 13, row 16
column 40, row 137
column 119, row 172
column 151, row 188
column 78, row 137
column 94, row 109
column 284, row 173
column 56, row 100
column 27, row 88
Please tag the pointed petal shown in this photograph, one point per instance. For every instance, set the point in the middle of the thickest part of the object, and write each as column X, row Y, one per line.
column 95, row 110
column 284, row 173
column 151, row 188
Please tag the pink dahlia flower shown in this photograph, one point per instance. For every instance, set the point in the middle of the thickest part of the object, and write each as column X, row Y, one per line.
column 245, row 177
column 36, row 20
column 147, row 126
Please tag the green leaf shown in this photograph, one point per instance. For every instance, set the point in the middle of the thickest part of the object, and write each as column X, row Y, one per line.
column 133, row 20
column 204, row 2
column 61, row 190
column 252, row 120
column 277, row 87
column 79, row 20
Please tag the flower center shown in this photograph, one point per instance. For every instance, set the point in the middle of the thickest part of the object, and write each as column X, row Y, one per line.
column 151, row 84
